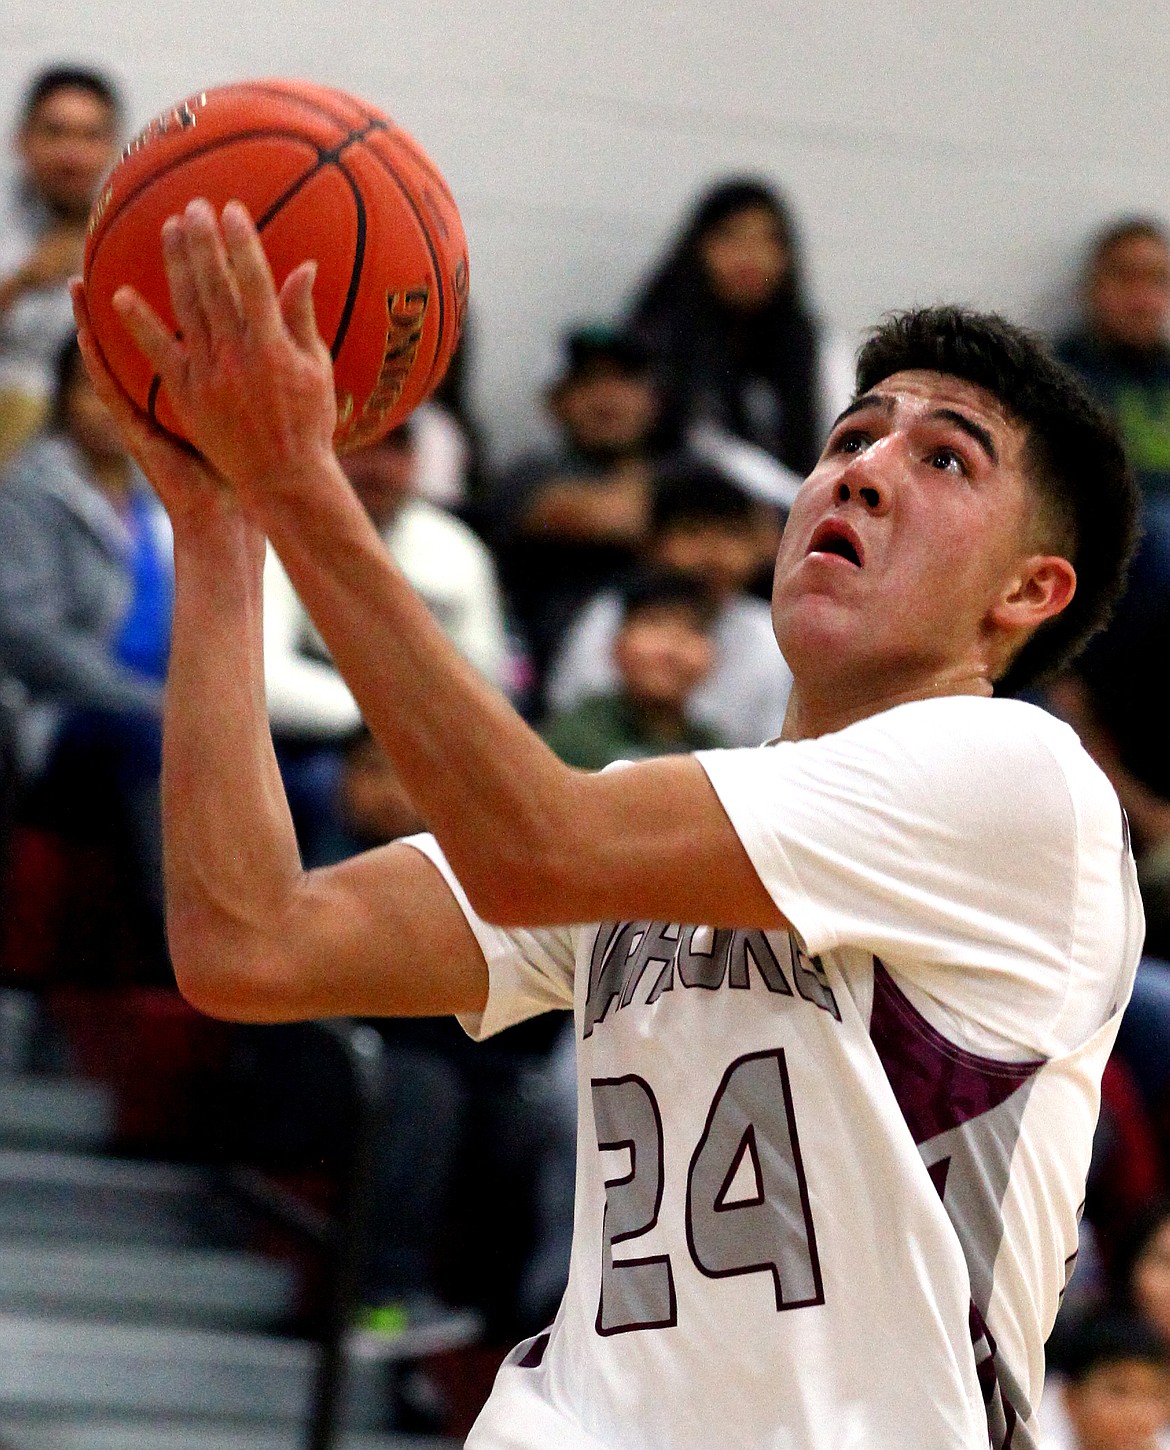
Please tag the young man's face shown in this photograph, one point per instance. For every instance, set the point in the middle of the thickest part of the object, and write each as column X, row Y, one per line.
column 746, row 258
column 905, row 535
column 1120, row 1406
column 68, row 144
column 722, row 554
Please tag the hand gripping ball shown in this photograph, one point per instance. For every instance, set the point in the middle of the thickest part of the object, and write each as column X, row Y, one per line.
column 324, row 176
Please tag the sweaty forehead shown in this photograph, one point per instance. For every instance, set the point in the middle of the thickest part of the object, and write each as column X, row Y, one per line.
column 926, row 391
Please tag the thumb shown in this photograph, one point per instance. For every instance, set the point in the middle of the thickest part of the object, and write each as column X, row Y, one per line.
column 296, row 306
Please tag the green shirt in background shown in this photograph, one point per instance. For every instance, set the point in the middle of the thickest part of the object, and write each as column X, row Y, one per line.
column 604, row 728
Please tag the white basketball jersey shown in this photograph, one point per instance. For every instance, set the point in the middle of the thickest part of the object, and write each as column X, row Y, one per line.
column 828, row 1182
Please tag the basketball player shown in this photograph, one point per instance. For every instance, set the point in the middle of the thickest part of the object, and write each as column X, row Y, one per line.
column 833, row 1141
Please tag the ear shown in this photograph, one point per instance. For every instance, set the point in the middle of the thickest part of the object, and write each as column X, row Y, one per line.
column 1039, row 588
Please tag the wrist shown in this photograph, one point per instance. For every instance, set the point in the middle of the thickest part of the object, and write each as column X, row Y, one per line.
column 285, row 500
column 217, row 526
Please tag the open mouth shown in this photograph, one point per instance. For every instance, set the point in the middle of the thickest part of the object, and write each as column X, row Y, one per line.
column 835, row 537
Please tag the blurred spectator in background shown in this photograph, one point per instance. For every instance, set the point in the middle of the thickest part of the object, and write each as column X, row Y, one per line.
column 729, row 332
column 86, row 589
column 67, row 140
column 474, row 1155
column 1109, row 1388
column 704, row 526
column 310, row 708
column 569, row 521
column 456, row 1117
column 449, row 462
column 1141, row 1267
column 662, row 651
column 1122, row 348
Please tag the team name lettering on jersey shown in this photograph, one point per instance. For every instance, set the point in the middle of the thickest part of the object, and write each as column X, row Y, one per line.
column 696, row 956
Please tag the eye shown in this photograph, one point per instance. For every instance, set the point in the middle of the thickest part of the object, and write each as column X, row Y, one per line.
column 852, row 440
column 947, row 460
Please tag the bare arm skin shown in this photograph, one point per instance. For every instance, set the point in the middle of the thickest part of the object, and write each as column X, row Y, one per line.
column 531, row 840
column 252, row 935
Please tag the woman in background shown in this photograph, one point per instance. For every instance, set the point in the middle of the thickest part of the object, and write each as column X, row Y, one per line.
column 725, row 321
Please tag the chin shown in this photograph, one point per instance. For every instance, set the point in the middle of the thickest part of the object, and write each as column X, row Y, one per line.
column 814, row 627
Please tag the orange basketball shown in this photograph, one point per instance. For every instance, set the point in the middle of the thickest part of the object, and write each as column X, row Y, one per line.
column 324, row 176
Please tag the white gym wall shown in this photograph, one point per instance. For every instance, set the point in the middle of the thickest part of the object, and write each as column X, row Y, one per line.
column 930, row 150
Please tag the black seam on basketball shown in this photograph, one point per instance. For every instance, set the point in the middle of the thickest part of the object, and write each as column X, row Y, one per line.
column 263, row 134
column 422, row 160
column 436, row 269
column 319, row 108
column 325, row 157
column 355, row 276
column 331, row 157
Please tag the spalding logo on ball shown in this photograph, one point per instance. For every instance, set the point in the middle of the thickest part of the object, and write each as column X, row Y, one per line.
column 325, row 176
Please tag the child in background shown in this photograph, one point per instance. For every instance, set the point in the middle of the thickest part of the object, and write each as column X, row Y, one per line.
column 705, row 526
column 662, row 650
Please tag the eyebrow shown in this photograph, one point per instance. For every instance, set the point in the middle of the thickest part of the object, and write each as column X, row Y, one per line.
column 885, row 404
column 971, row 428
column 881, row 401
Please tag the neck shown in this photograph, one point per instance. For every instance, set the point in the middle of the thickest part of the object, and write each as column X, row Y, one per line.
column 611, row 455
column 827, row 706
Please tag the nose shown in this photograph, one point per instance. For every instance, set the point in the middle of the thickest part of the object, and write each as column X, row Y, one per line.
column 867, row 476
column 868, row 492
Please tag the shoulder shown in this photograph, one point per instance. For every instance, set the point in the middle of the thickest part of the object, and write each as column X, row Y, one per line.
column 43, row 479
column 21, row 223
column 972, row 771
column 599, row 616
column 980, row 743
column 531, row 469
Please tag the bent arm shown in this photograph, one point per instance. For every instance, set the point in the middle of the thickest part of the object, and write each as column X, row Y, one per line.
column 254, row 937
column 531, row 841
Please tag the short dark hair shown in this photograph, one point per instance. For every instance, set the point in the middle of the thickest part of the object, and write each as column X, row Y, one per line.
column 1101, row 1337
column 1123, row 230
column 698, row 493
column 1074, row 456
column 668, row 589
column 69, row 78
column 595, row 348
